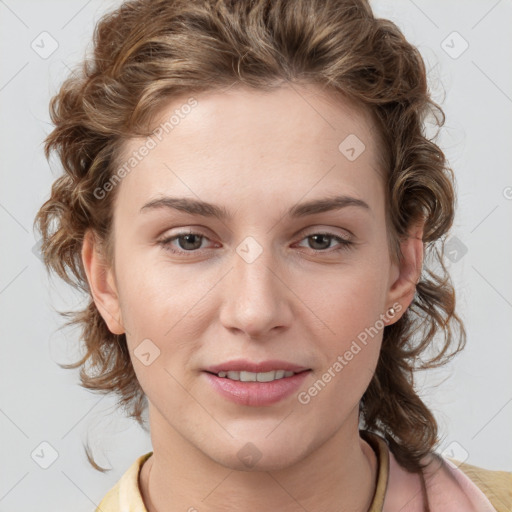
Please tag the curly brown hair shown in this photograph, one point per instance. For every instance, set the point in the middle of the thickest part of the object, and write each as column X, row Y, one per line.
column 147, row 52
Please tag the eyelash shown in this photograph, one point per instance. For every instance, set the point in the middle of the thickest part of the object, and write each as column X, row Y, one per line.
column 165, row 243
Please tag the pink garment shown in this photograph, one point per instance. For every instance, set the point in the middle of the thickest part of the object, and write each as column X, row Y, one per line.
column 448, row 488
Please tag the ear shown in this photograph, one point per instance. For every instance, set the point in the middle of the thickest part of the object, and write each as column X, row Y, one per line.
column 102, row 284
column 406, row 273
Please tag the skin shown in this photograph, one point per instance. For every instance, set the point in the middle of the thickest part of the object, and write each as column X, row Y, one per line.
column 257, row 154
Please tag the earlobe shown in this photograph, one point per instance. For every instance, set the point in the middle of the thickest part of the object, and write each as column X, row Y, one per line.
column 101, row 284
column 403, row 289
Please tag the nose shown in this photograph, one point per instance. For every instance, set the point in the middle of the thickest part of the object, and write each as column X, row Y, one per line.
column 256, row 298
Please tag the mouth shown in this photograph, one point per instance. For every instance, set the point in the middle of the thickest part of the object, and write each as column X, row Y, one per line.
column 248, row 371
column 256, row 384
column 246, row 376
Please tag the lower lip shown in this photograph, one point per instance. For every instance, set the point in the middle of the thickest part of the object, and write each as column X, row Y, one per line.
column 256, row 393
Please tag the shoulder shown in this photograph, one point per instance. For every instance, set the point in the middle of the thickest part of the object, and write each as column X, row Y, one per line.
column 457, row 482
column 496, row 485
column 125, row 495
column 447, row 484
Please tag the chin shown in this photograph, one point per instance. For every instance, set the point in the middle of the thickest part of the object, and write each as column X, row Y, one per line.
column 273, row 462
column 261, row 454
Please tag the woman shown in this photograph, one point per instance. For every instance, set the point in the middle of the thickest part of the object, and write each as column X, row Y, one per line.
column 250, row 203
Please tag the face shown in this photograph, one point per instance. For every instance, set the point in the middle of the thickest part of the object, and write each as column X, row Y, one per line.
column 279, row 276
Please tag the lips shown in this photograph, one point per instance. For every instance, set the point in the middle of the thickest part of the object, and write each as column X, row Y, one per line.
column 243, row 365
column 256, row 384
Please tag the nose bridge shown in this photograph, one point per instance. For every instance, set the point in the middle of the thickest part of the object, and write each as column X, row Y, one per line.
column 255, row 301
column 254, row 271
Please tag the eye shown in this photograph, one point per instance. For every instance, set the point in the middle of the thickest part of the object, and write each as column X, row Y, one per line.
column 187, row 242
column 319, row 242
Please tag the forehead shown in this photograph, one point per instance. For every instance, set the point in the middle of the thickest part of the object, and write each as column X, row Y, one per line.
column 293, row 139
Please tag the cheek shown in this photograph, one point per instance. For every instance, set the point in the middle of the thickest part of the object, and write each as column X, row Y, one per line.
column 348, row 310
column 347, row 301
column 350, row 350
column 156, row 296
column 147, row 320
column 160, row 309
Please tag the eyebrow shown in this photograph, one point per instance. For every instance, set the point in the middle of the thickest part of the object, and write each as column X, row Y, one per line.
column 204, row 209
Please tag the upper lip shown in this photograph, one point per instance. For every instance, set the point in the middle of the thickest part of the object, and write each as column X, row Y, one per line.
column 241, row 365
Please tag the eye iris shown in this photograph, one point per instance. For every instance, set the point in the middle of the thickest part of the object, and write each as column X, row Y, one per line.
column 315, row 240
column 196, row 245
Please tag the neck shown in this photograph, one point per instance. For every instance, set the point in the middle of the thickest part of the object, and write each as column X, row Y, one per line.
column 338, row 476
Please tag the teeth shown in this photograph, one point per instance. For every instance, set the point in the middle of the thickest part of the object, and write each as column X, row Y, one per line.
column 256, row 377
column 246, row 376
column 266, row 376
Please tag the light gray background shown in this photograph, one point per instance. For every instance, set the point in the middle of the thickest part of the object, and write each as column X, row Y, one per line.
column 40, row 402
